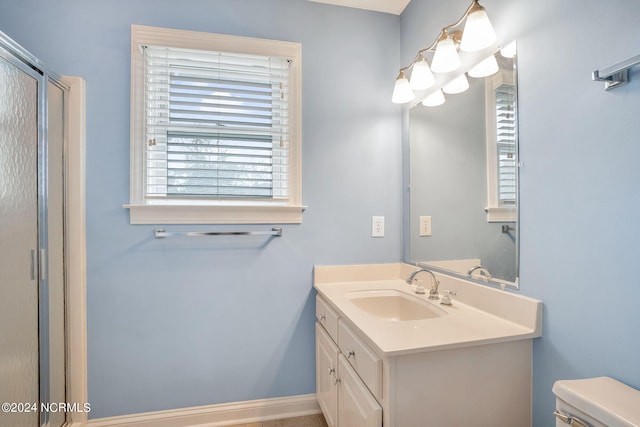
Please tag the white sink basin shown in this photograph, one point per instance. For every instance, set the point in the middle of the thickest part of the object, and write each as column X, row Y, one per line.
column 393, row 305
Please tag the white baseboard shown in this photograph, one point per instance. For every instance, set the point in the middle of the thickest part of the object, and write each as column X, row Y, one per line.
column 226, row 414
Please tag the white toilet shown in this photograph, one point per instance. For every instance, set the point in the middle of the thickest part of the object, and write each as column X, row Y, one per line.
column 596, row 402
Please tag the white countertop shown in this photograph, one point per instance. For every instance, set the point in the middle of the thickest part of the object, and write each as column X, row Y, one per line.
column 478, row 315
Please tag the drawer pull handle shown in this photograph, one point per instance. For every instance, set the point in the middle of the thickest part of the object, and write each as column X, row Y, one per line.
column 332, row 371
column 322, row 318
column 351, row 353
column 337, row 381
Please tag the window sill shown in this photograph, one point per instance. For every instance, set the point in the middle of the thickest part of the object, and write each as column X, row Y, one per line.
column 502, row 214
column 176, row 214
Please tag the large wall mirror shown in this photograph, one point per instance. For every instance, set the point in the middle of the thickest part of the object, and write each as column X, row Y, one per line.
column 464, row 180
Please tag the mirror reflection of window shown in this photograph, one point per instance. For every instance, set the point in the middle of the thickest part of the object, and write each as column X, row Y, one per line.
column 506, row 145
column 502, row 143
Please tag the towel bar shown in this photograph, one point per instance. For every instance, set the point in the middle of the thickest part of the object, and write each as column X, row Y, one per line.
column 617, row 74
column 162, row 233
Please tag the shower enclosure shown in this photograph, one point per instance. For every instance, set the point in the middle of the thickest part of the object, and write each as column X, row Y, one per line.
column 33, row 372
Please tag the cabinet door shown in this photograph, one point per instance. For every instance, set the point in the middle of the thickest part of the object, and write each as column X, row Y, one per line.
column 326, row 375
column 358, row 408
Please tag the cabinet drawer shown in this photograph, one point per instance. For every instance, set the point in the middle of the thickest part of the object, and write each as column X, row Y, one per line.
column 365, row 362
column 327, row 317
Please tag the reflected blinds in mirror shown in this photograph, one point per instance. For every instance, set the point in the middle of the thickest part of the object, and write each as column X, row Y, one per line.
column 506, row 144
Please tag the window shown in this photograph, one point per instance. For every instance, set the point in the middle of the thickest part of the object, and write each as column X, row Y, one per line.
column 215, row 129
column 502, row 147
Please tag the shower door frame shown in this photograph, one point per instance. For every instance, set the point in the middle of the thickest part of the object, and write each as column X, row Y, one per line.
column 73, row 158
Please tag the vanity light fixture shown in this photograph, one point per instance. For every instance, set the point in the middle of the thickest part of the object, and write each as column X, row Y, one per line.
column 478, row 31
column 509, row 51
column 421, row 75
column 478, row 34
column 435, row 99
column 486, row 67
column 457, row 85
column 445, row 58
column 402, row 91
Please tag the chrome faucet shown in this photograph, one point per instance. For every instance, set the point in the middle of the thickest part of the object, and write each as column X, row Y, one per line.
column 481, row 271
column 433, row 293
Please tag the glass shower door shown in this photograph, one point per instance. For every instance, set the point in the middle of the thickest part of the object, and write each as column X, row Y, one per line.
column 19, row 373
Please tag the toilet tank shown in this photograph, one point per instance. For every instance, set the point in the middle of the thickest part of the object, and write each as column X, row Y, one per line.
column 596, row 402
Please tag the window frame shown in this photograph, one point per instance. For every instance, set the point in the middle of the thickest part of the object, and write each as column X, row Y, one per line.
column 143, row 211
column 495, row 212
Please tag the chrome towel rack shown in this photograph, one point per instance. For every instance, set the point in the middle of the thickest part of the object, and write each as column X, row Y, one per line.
column 617, row 74
column 161, row 233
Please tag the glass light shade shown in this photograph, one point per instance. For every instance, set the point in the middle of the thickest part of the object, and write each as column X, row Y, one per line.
column 445, row 58
column 435, row 99
column 421, row 75
column 509, row 51
column 402, row 91
column 485, row 68
column 478, row 32
column 457, row 85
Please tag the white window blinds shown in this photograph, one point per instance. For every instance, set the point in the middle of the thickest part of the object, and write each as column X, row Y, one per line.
column 506, row 145
column 216, row 125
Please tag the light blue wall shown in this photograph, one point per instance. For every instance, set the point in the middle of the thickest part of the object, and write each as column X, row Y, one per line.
column 579, row 185
column 184, row 322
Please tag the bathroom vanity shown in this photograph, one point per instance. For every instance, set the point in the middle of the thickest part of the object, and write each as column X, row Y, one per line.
column 387, row 356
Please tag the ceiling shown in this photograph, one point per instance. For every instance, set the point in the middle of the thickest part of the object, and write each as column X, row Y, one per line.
column 388, row 6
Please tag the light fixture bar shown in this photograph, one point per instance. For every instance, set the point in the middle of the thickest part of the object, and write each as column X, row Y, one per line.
column 617, row 74
column 481, row 36
column 432, row 46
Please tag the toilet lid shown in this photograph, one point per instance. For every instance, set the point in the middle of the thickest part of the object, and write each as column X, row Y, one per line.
column 603, row 398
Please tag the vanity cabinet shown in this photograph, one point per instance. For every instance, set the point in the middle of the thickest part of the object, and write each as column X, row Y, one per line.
column 358, row 385
column 343, row 364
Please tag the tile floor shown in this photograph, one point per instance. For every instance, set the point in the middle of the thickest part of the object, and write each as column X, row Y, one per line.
column 308, row 421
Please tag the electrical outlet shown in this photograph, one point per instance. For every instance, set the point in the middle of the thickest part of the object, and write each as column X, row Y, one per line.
column 377, row 226
column 425, row 226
